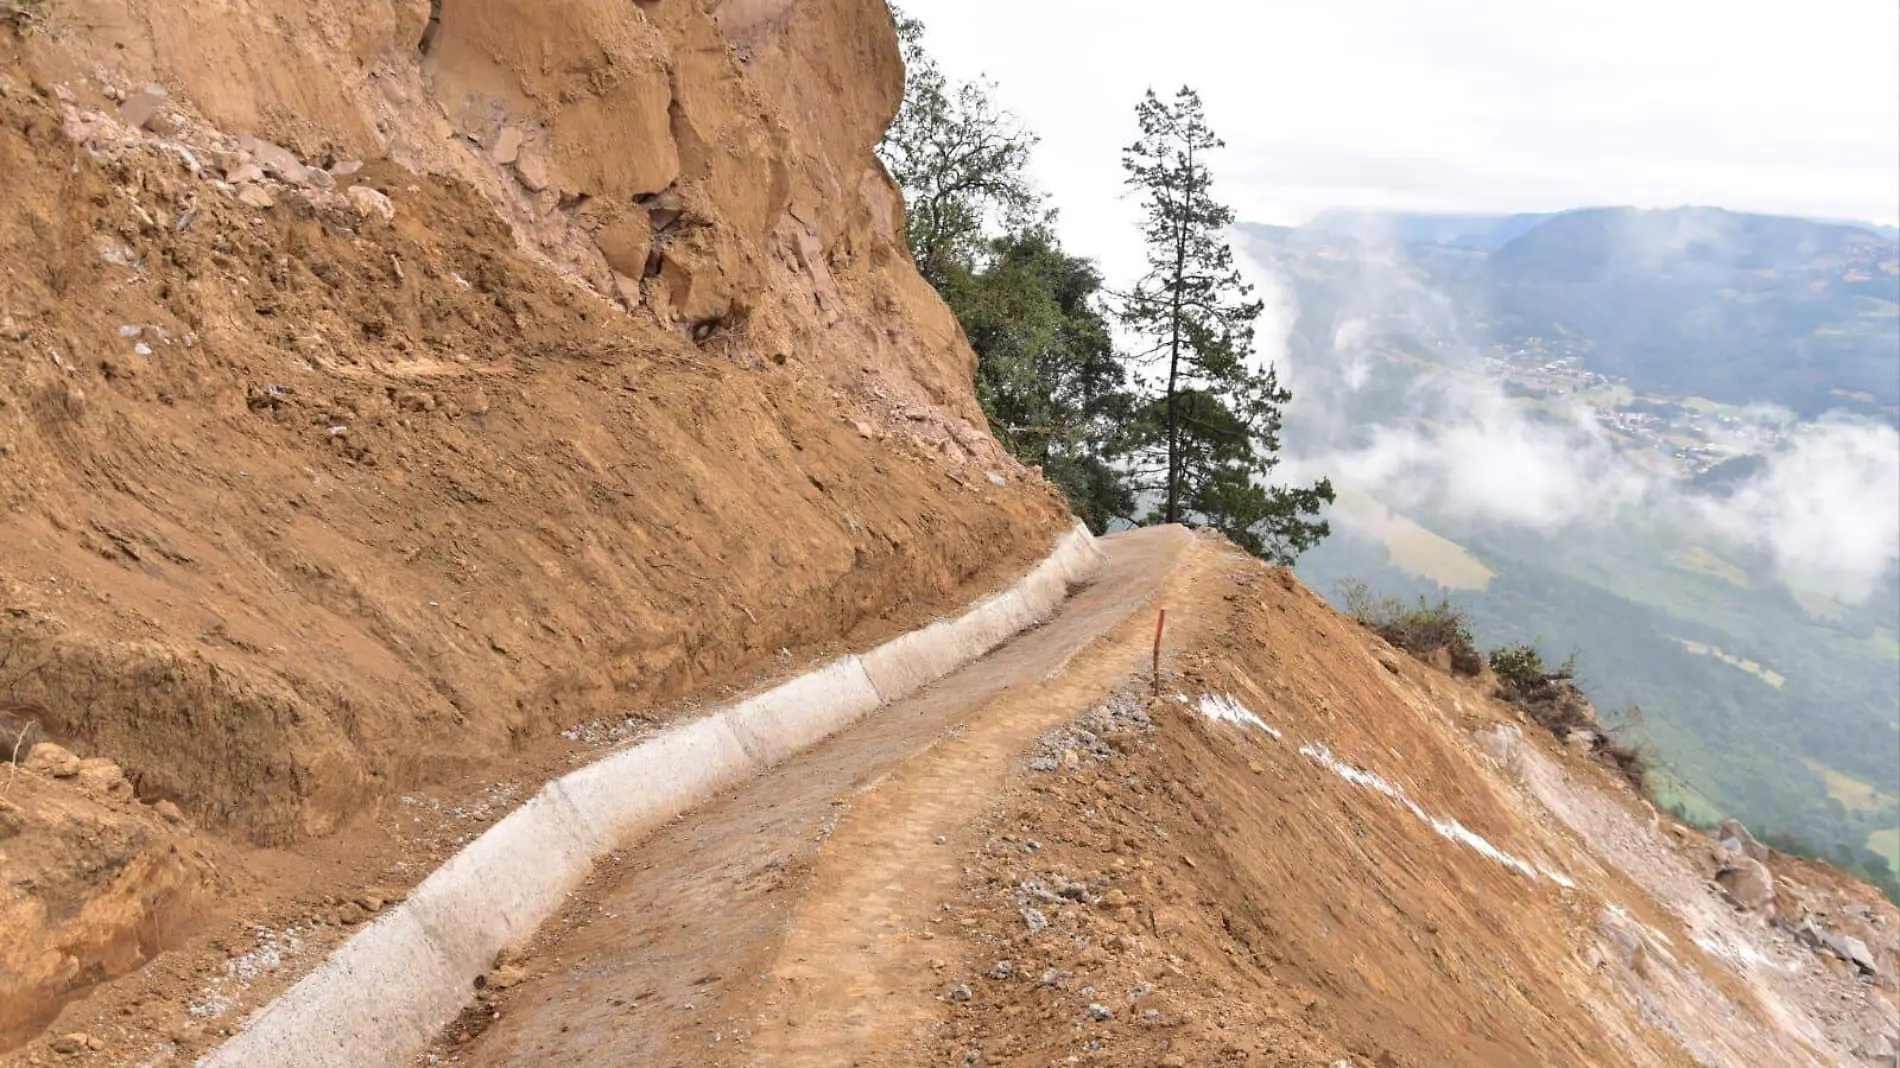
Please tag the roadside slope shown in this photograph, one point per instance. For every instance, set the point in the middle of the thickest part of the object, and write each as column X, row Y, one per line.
column 1328, row 852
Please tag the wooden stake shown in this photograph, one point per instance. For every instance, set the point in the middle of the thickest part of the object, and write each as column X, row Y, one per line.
column 1160, row 621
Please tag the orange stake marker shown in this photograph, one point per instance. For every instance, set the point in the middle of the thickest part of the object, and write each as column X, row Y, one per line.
column 1160, row 621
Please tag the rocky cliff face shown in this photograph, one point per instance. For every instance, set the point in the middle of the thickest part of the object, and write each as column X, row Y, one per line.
column 446, row 262
column 707, row 161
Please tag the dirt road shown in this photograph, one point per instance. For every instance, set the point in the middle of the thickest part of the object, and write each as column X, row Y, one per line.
column 788, row 922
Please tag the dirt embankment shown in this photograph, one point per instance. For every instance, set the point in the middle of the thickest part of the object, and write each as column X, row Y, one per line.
column 1304, row 852
column 373, row 407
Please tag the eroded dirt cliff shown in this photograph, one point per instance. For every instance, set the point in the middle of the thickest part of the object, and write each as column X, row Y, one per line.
column 385, row 388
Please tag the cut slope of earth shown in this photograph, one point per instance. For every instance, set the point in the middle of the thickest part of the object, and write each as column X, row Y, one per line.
column 373, row 410
column 1306, row 849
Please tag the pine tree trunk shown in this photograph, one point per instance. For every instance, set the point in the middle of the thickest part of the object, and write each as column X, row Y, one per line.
column 1173, row 514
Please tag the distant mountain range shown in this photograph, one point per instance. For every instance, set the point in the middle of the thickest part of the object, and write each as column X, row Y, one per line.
column 1698, row 302
column 1491, row 231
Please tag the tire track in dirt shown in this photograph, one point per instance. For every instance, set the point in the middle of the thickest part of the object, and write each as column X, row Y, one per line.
column 687, row 950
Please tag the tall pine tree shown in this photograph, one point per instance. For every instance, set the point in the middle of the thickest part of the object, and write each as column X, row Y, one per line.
column 1208, row 435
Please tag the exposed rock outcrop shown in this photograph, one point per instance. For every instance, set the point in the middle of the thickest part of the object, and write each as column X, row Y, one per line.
column 642, row 264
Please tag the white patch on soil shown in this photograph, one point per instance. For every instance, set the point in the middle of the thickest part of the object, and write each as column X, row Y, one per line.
column 1447, row 828
column 1224, row 709
column 273, row 949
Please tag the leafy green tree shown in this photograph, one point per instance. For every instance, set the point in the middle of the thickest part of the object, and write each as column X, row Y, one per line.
column 1209, row 438
column 960, row 161
column 1048, row 374
column 1047, row 371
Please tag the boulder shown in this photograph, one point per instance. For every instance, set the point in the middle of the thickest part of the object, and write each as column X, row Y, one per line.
column 506, row 976
column 245, row 174
column 277, row 161
column 104, row 776
column 1734, row 829
column 50, row 759
column 1748, row 881
column 627, row 242
column 368, row 202
column 1852, row 950
column 532, row 171
column 507, row 146
column 256, row 196
column 142, row 106
column 1504, row 744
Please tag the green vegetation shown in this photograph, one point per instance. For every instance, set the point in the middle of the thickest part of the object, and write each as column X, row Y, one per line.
column 1551, row 697
column 1211, row 435
column 1047, row 373
column 1422, row 630
column 1683, row 800
column 1058, row 392
column 1887, row 844
column 960, row 162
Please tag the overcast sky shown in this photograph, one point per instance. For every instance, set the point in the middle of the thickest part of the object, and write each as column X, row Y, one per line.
column 1454, row 105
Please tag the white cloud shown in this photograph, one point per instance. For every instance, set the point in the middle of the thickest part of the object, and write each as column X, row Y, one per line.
column 1827, row 509
column 1824, row 510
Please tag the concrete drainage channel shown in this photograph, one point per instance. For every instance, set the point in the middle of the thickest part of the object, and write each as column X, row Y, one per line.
column 382, row 996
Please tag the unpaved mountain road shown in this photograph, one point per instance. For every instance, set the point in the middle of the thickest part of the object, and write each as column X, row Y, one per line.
column 790, row 921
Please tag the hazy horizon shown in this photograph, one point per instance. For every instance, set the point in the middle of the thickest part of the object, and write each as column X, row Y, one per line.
column 1461, row 107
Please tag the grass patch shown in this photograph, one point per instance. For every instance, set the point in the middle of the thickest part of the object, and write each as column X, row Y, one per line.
column 1855, row 794
column 1819, row 605
column 1412, row 548
column 1768, row 675
column 1688, row 805
column 1700, row 561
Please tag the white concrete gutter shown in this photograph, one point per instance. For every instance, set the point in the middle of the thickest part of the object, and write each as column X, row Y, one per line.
column 382, row 997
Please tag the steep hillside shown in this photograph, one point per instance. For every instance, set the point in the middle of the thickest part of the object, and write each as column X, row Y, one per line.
column 1312, row 849
column 383, row 391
